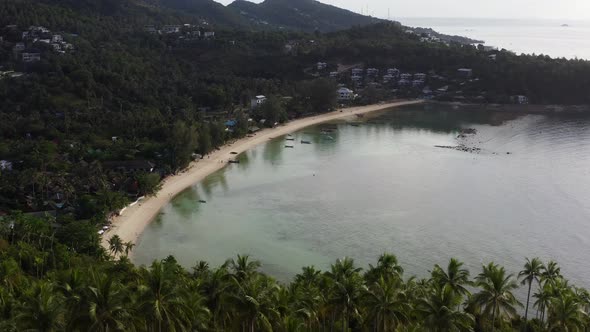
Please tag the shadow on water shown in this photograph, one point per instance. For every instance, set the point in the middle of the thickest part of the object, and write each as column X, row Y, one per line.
column 212, row 181
column 187, row 203
column 273, row 151
column 440, row 118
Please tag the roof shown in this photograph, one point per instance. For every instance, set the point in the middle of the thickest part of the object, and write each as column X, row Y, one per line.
column 260, row 97
column 230, row 123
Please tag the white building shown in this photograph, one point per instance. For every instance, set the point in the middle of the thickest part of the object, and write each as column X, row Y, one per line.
column 372, row 72
column 257, row 101
column 321, row 65
column 345, row 94
column 393, row 72
column 31, row 57
column 357, row 72
column 57, row 39
column 171, row 28
column 5, row 165
column 209, row 34
column 465, row 72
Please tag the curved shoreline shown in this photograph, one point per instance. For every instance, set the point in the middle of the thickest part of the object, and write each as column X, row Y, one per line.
column 136, row 218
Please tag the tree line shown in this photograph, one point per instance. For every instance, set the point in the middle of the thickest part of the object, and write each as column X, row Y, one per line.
column 50, row 285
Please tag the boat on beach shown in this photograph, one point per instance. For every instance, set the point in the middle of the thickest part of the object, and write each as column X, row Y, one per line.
column 305, row 142
column 289, row 146
column 234, row 161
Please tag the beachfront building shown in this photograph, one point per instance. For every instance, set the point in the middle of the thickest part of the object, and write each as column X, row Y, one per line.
column 345, row 94
column 257, row 101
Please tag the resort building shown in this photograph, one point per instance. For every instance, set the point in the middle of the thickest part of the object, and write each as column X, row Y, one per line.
column 257, row 101
column 345, row 94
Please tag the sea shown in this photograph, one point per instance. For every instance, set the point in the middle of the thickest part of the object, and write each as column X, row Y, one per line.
column 556, row 38
column 387, row 183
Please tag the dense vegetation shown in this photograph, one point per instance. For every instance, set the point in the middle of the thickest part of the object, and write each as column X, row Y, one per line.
column 48, row 285
column 125, row 94
column 306, row 15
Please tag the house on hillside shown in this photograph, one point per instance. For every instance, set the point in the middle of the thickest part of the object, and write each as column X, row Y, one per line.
column 357, row 72
column 345, row 94
column 372, row 72
column 465, row 72
column 31, row 56
column 171, row 29
column 393, row 72
column 257, row 101
column 5, row 165
column 18, row 49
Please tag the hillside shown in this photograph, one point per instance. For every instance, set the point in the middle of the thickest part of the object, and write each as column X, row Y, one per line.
column 306, row 15
column 205, row 9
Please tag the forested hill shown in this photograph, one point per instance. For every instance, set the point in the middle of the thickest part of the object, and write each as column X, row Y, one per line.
column 92, row 89
column 306, row 15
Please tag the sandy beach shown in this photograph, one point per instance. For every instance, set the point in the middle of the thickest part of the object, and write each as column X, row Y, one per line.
column 131, row 223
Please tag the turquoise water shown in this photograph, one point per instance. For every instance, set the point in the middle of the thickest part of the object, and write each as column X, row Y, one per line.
column 384, row 186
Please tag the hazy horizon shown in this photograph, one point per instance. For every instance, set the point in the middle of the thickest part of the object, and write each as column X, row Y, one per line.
column 523, row 9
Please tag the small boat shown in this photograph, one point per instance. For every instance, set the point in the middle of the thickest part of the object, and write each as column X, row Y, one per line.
column 234, row 161
column 305, row 142
column 355, row 124
column 290, row 139
column 202, row 201
column 233, row 152
column 289, row 135
column 289, row 146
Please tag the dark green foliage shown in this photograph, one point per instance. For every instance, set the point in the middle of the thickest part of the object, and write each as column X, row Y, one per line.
column 306, row 15
column 45, row 285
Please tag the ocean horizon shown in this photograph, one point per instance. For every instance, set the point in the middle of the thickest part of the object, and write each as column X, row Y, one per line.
column 558, row 38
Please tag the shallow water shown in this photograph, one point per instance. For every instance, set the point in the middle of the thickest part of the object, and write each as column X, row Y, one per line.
column 384, row 186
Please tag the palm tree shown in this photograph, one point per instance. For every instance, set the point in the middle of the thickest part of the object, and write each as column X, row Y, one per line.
column 243, row 267
column 544, row 297
column 255, row 300
column 116, row 245
column 41, row 310
column 495, row 299
column 566, row 314
column 106, row 301
column 551, row 272
column 439, row 311
column 532, row 272
column 387, row 267
column 387, row 304
column 162, row 300
column 455, row 277
column 345, row 286
column 128, row 247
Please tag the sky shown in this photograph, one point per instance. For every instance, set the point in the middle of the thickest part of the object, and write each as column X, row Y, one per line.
column 546, row 9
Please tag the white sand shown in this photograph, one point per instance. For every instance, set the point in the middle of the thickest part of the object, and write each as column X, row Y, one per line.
column 135, row 219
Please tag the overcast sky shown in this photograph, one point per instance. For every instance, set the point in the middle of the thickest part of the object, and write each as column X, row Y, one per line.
column 557, row 9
